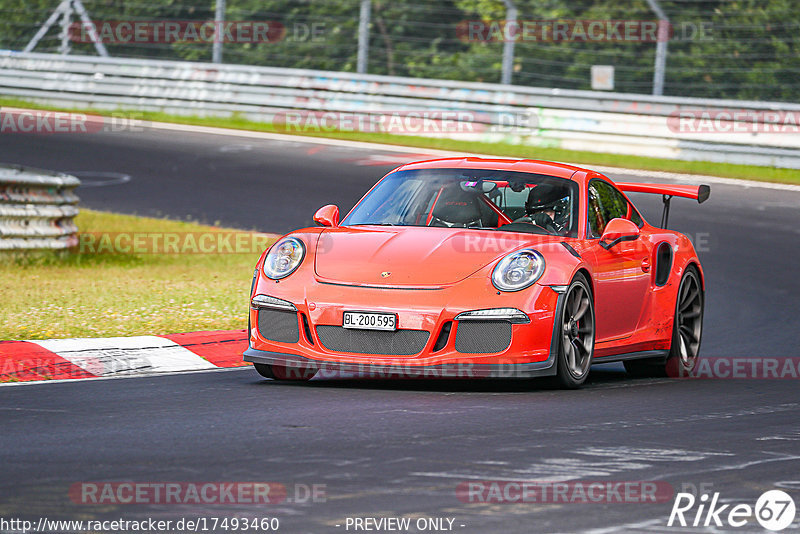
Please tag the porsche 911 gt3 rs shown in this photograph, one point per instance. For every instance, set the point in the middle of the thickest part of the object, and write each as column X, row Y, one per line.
column 481, row 267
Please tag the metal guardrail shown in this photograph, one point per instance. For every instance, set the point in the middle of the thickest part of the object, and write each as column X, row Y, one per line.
column 576, row 120
column 37, row 209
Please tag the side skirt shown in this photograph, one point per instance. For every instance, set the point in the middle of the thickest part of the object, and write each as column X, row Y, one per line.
column 660, row 355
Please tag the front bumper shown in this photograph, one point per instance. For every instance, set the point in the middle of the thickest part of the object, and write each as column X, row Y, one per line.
column 341, row 369
column 318, row 311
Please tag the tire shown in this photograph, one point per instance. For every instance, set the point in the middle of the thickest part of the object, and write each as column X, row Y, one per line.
column 280, row 372
column 687, row 332
column 576, row 333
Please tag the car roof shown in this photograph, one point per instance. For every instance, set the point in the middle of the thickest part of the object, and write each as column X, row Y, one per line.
column 549, row 168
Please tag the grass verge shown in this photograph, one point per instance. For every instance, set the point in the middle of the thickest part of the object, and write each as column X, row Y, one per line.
column 727, row 170
column 84, row 293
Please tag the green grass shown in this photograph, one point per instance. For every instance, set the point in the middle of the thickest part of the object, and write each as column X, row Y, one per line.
column 727, row 170
column 73, row 294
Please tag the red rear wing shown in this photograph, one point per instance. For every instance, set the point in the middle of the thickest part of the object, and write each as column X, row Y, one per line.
column 698, row 192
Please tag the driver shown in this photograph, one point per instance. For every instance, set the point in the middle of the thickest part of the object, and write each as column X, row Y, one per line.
column 546, row 208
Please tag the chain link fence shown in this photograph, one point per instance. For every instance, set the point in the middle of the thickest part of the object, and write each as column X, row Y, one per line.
column 731, row 49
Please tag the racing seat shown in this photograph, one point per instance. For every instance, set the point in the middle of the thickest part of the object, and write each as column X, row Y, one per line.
column 456, row 207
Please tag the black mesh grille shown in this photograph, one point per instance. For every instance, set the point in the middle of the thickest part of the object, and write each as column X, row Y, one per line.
column 397, row 343
column 474, row 337
column 277, row 325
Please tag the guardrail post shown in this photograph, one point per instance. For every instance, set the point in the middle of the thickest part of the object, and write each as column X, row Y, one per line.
column 660, row 66
column 219, row 20
column 508, row 44
column 66, row 21
column 363, row 35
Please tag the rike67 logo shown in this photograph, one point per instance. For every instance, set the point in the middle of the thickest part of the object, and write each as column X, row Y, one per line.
column 774, row 510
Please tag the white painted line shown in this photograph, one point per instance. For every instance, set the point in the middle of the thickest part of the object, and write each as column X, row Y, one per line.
column 694, row 474
column 271, row 136
column 115, row 356
column 664, row 175
column 649, row 525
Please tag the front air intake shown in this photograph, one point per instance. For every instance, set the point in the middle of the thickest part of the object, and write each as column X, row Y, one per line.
column 397, row 343
column 483, row 337
column 278, row 325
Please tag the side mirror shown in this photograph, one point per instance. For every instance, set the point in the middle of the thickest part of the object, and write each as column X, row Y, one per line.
column 327, row 216
column 618, row 230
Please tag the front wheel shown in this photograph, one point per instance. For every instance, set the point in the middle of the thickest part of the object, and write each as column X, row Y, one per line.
column 281, row 372
column 575, row 331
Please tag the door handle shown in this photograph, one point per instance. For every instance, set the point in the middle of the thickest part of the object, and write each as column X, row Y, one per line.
column 646, row 265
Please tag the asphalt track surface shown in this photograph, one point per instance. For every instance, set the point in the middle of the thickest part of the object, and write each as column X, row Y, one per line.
column 400, row 448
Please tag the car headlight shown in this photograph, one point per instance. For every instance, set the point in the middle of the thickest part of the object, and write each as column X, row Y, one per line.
column 284, row 257
column 518, row 270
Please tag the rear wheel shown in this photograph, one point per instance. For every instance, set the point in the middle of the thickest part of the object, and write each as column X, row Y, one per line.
column 688, row 328
column 281, row 372
column 575, row 334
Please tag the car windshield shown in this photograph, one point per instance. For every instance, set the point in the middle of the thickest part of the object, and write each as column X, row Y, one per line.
column 472, row 198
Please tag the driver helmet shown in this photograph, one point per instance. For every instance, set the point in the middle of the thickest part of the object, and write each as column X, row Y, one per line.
column 545, row 197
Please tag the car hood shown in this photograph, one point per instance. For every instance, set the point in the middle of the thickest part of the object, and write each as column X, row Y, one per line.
column 410, row 256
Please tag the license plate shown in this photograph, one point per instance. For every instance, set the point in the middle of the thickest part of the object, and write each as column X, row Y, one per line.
column 370, row 320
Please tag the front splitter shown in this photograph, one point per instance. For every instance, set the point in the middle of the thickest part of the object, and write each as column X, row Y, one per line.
column 334, row 369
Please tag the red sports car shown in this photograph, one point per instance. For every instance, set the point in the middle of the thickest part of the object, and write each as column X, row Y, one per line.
column 471, row 267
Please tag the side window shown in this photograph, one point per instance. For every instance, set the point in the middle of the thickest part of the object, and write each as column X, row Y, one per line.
column 606, row 203
column 636, row 218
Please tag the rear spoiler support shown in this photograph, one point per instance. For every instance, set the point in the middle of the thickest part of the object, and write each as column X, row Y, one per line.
column 698, row 192
column 665, row 214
